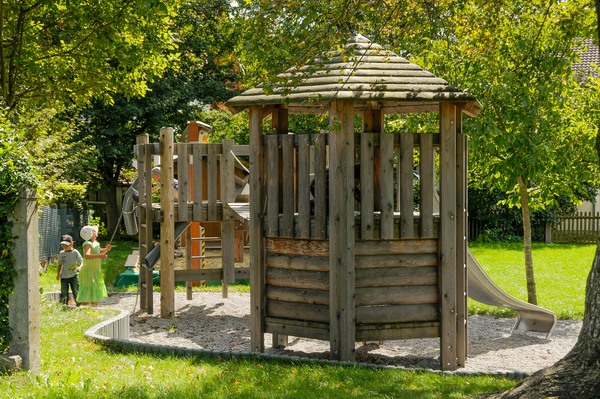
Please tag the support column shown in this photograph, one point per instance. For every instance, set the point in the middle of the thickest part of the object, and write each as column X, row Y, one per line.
column 256, row 229
column 448, row 291
column 167, row 225
column 144, row 156
column 461, row 241
column 24, row 302
column 341, row 237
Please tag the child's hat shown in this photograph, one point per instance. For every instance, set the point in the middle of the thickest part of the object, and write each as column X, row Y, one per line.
column 66, row 240
column 86, row 232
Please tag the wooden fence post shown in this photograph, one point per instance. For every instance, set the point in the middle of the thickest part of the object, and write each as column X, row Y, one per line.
column 24, row 303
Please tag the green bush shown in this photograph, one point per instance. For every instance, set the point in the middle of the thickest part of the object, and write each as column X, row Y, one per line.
column 68, row 194
column 502, row 223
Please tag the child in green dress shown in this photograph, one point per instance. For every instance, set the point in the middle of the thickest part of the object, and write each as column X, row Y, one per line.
column 91, row 280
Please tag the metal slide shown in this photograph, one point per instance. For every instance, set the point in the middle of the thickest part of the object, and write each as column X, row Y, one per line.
column 484, row 290
column 154, row 255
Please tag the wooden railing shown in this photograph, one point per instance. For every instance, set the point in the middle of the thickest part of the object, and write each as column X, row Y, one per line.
column 392, row 200
column 581, row 227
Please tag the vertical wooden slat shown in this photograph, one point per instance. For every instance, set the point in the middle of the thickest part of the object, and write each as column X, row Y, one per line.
column 407, row 219
column 280, row 122
column 273, row 188
column 386, row 146
column 367, row 198
column 227, row 172
column 303, row 187
column 228, row 224
column 145, row 219
column 211, row 176
column 167, row 227
column 183, row 171
column 320, row 188
column 197, row 153
column 426, row 167
column 341, row 237
column 461, row 242
column 287, row 144
column 257, row 272
column 448, row 236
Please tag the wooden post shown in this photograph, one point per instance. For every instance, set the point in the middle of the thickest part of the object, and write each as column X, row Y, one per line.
column 167, row 227
column 256, row 229
column 24, row 302
column 461, row 241
column 341, row 239
column 280, row 188
column 145, row 221
column 447, row 249
column 228, row 224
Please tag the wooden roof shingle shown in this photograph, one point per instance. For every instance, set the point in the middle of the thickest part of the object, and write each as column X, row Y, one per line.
column 364, row 73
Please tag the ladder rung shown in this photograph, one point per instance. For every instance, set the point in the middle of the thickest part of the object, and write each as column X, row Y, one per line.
column 206, row 257
column 210, row 239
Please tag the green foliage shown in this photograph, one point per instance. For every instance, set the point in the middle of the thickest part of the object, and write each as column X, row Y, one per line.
column 226, row 125
column 102, row 232
column 501, row 222
column 15, row 175
column 66, row 52
column 68, row 195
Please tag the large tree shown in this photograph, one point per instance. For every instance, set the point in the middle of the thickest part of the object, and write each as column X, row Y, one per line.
column 203, row 73
column 577, row 375
column 57, row 53
column 56, row 56
column 533, row 140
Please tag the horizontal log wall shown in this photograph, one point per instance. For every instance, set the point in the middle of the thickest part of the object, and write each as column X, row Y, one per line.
column 396, row 288
column 391, row 200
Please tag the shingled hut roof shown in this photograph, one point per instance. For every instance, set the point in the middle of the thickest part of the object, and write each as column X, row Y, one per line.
column 364, row 73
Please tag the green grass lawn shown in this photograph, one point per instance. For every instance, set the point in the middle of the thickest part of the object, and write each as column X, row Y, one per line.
column 560, row 273
column 74, row 367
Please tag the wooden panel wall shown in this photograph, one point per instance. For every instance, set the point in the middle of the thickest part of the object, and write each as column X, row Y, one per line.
column 396, row 288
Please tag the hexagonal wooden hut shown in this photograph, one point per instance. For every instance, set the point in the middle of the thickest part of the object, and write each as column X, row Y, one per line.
column 348, row 240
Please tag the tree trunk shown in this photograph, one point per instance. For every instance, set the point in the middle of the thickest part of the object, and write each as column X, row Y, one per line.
column 577, row 375
column 112, row 210
column 527, row 247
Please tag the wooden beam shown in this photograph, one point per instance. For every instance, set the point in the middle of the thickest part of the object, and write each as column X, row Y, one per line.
column 341, row 236
column 167, row 229
column 461, row 241
column 256, row 228
column 448, row 339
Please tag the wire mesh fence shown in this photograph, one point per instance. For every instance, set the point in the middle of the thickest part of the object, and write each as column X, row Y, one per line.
column 53, row 223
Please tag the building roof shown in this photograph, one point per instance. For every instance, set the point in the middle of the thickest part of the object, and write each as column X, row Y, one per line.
column 590, row 58
column 364, row 73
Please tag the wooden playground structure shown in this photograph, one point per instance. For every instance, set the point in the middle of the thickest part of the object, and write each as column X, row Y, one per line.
column 347, row 241
column 213, row 169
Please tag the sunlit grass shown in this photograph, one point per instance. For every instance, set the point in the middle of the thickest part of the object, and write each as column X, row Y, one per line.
column 75, row 367
column 560, row 273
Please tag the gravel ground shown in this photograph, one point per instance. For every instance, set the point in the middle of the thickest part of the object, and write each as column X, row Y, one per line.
column 211, row 322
